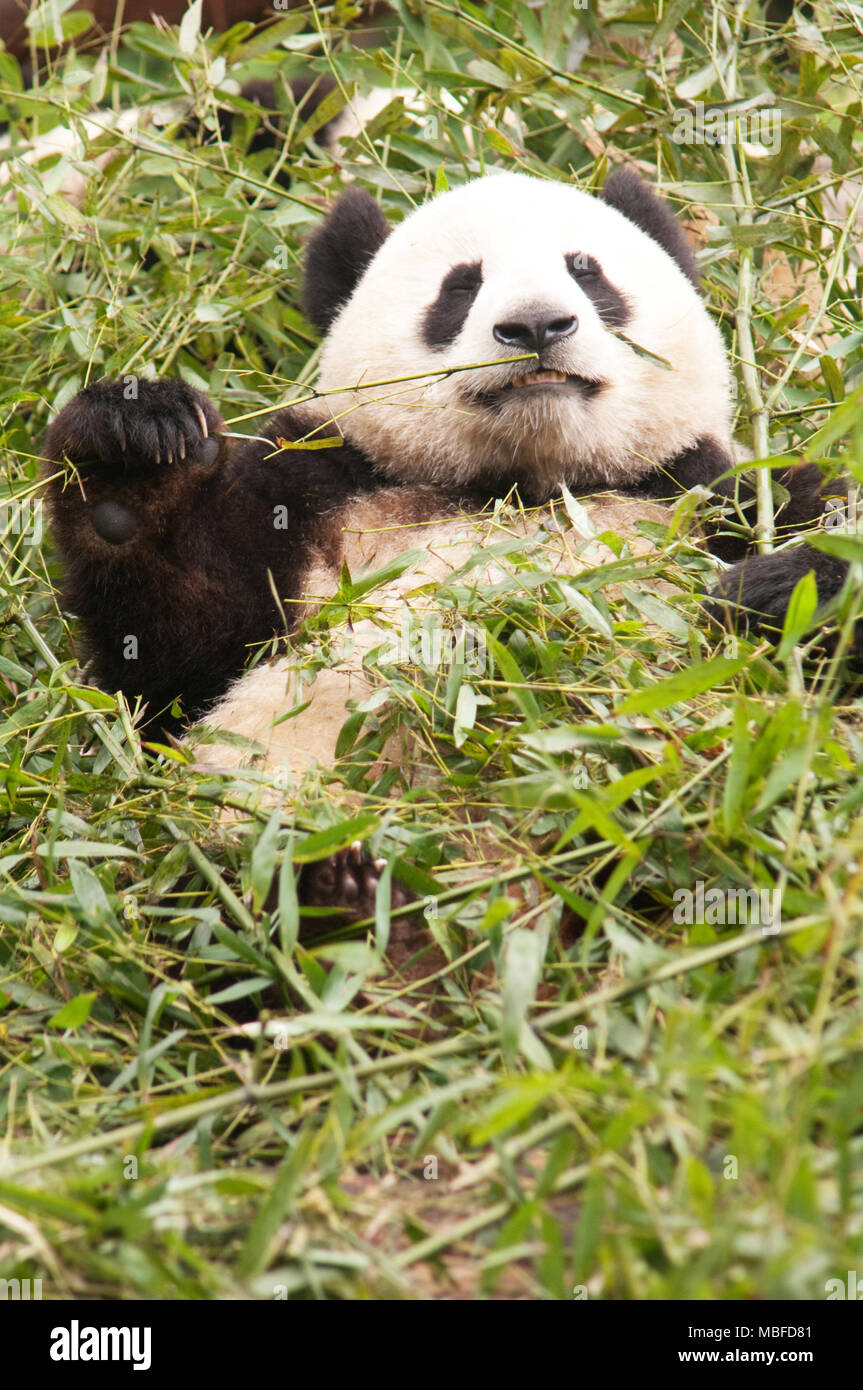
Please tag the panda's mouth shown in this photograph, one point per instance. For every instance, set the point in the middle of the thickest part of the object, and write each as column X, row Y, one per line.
column 538, row 379
column 543, row 382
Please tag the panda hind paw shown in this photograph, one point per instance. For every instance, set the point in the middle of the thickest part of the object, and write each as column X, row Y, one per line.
column 346, row 884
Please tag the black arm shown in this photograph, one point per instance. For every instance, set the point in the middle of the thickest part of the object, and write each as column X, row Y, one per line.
column 755, row 592
column 169, row 543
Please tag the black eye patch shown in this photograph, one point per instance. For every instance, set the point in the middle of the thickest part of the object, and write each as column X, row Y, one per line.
column 444, row 320
column 607, row 300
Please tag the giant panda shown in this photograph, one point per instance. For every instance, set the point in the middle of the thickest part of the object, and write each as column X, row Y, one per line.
column 511, row 334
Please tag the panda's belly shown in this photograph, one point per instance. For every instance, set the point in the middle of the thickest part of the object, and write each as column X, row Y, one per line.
column 258, row 707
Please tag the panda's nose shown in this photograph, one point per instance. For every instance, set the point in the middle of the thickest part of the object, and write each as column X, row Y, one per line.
column 535, row 331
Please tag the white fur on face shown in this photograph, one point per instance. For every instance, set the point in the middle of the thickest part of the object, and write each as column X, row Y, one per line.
column 521, row 229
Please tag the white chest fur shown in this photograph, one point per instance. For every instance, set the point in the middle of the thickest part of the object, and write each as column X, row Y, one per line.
column 259, row 706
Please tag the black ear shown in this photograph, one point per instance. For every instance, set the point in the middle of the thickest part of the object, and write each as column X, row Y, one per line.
column 338, row 253
column 627, row 191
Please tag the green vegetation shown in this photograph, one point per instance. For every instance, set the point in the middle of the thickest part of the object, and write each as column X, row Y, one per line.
column 656, row 1111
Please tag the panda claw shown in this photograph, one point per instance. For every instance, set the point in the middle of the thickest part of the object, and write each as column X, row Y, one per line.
column 202, row 421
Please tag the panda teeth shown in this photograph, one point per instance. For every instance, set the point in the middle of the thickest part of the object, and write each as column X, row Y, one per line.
column 539, row 378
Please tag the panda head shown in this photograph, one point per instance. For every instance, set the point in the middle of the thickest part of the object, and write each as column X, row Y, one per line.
column 505, row 266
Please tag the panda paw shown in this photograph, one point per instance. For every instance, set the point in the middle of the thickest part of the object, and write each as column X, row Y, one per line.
column 136, row 427
column 755, row 594
column 346, row 884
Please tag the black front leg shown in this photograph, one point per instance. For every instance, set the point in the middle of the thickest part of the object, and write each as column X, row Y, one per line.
column 703, row 465
column 755, row 593
column 162, row 567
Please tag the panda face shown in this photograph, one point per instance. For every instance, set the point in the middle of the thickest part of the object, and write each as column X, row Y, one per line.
column 507, row 266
